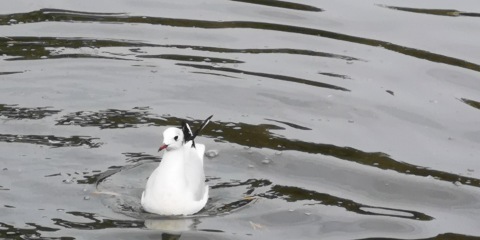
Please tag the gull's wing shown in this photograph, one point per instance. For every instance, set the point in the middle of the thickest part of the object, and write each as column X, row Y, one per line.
column 187, row 132
column 200, row 151
column 188, row 135
column 194, row 173
column 202, row 126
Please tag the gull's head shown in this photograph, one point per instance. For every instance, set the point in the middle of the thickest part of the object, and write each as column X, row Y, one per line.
column 172, row 139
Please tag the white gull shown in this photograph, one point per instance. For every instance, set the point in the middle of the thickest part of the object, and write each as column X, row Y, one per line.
column 177, row 186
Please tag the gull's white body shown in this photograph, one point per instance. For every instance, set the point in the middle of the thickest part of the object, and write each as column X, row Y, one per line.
column 177, row 186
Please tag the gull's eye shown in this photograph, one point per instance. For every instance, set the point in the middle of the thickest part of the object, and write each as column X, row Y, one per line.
column 175, row 138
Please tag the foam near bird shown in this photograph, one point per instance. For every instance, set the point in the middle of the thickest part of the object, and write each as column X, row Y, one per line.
column 177, row 186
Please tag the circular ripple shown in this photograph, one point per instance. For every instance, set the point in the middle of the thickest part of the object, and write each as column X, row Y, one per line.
column 122, row 189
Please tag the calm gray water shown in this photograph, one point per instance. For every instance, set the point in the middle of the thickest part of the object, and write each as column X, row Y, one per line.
column 339, row 119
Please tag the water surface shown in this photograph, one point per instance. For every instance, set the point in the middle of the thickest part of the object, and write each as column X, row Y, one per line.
column 332, row 120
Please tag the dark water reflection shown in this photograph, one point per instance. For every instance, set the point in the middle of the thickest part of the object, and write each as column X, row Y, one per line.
column 472, row 103
column 7, row 73
column 39, row 48
column 95, row 223
column 51, row 141
column 440, row 12
column 293, row 194
column 8, row 231
column 283, row 4
column 15, row 112
column 446, row 236
column 190, row 58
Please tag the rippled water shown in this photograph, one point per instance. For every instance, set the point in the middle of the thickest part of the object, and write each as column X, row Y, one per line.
column 332, row 120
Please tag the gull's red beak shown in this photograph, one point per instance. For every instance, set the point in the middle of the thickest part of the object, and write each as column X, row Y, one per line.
column 162, row 147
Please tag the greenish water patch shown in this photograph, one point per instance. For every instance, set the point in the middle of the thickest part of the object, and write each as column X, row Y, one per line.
column 471, row 103
column 190, row 58
column 51, row 140
column 8, row 73
column 266, row 51
column 335, row 75
column 33, row 48
column 110, row 118
column 440, row 12
column 15, row 112
column 444, row 236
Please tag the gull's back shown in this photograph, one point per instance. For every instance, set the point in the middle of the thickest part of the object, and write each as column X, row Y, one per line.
column 194, row 173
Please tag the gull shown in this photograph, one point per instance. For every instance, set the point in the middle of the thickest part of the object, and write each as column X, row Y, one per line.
column 177, row 186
